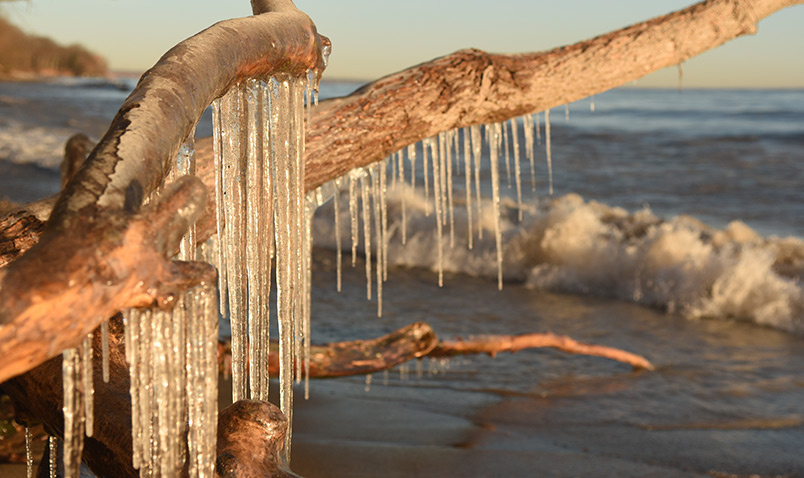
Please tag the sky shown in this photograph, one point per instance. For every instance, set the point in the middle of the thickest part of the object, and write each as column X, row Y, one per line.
column 372, row 38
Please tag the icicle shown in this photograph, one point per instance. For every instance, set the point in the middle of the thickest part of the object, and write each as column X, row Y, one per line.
column 185, row 165
column 384, row 212
column 680, row 77
column 467, row 166
column 437, row 195
column 202, row 381
column 426, row 174
column 266, row 225
column 52, row 448
column 379, row 240
column 367, row 388
column 592, row 103
column 507, row 155
column 450, row 205
column 547, row 147
column 336, row 203
column 306, row 328
column 477, row 147
column 287, row 139
column 494, row 134
column 72, row 372
column 517, row 167
column 412, row 158
column 538, row 129
column 353, row 213
column 365, row 185
column 234, row 163
column 218, row 127
column 105, row 350
column 89, row 390
column 132, row 338
column 257, row 255
column 401, row 174
column 566, row 112
column 456, row 150
column 527, row 124
column 394, row 165
column 299, row 224
column 442, row 161
column 29, row 461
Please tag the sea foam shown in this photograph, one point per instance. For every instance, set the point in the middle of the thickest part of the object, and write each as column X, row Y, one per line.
column 567, row 244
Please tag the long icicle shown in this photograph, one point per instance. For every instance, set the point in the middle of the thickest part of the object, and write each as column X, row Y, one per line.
column 494, row 133
column 218, row 140
column 527, row 125
column 547, row 148
column 437, row 196
column 384, row 212
column 375, row 179
column 467, row 166
column 234, row 175
column 450, row 204
column 73, row 409
column 365, row 184
column 336, row 204
column 267, row 251
column 401, row 185
column 507, row 155
column 89, row 389
column 517, row 167
column 353, row 214
column 477, row 149
column 426, row 174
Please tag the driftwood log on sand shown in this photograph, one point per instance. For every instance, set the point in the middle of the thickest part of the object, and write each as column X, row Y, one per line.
column 101, row 251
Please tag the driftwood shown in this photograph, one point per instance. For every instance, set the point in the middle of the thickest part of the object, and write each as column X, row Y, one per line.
column 494, row 344
column 360, row 357
column 101, row 251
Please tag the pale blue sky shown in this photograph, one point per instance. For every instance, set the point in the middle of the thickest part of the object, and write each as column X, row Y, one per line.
column 372, row 38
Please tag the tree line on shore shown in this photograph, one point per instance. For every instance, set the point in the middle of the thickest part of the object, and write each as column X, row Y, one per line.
column 24, row 54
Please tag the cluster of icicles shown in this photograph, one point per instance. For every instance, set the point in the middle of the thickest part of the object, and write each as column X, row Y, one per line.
column 172, row 353
column 440, row 161
column 263, row 216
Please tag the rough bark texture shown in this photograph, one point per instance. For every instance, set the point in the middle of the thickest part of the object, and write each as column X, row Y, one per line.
column 251, row 435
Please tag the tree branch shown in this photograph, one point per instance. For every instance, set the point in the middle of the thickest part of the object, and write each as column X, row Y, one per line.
column 474, row 87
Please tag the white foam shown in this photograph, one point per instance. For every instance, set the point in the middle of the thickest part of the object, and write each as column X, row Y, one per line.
column 39, row 145
column 571, row 245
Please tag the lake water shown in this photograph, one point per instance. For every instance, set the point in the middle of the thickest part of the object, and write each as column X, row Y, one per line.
column 674, row 231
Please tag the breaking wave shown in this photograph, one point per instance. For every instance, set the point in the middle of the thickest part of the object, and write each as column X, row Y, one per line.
column 567, row 244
